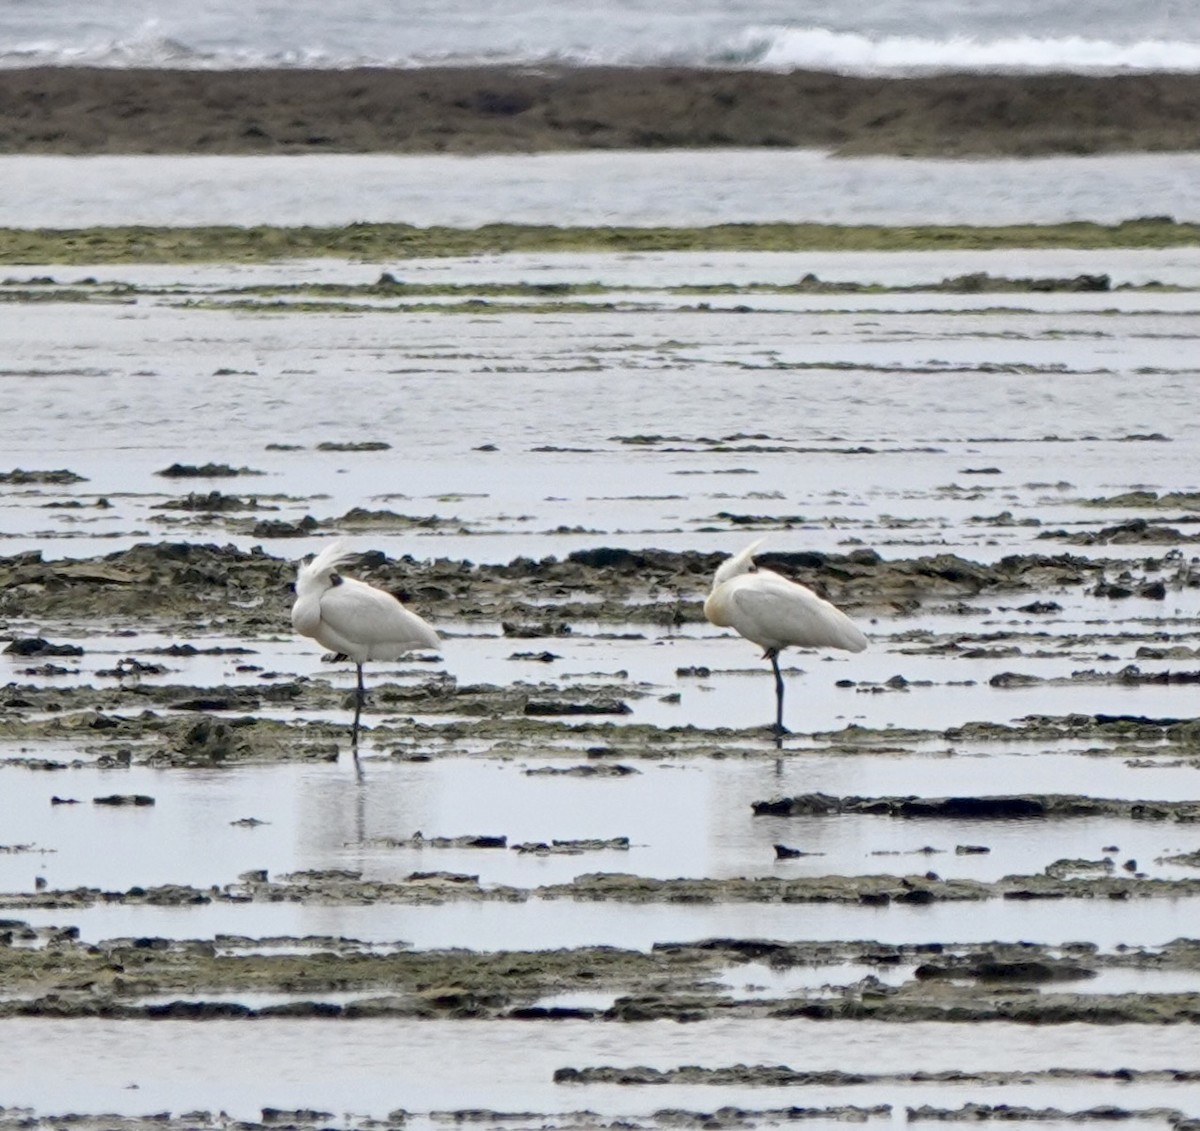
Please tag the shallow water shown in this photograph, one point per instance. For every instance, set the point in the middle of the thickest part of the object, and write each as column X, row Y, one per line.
column 753, row 979
column 550, row 924
column 373, row 1067
column 677, row 187
column 914, row 424
column 682, row 818
column 1176, row 266
column 853, row 397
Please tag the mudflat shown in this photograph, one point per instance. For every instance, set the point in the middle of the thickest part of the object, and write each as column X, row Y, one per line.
column 522, row 109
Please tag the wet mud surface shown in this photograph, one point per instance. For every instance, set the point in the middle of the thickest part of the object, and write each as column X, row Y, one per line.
column 573, row 814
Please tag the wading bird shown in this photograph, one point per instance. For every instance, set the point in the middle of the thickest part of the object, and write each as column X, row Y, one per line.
column 354, row 620
column 775, row 613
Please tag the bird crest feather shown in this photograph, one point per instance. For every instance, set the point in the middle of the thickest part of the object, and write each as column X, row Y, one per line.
column 741, row 562
column 318, row 571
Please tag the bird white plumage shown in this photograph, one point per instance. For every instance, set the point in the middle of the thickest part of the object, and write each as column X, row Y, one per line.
column 352, row 618
column 775, row 613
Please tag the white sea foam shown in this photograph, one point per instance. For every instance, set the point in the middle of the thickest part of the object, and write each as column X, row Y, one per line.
column 790, row 48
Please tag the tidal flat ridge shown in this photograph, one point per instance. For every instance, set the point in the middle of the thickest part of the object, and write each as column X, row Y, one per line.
column 524, row 109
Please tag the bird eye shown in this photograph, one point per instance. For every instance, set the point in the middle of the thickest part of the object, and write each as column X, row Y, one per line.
column 335, row 579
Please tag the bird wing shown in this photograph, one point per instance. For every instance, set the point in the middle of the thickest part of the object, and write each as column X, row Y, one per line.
column 774, row 612
column 369, row 624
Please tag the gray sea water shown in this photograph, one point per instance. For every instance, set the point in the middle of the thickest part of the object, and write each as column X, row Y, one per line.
column 1095, row 35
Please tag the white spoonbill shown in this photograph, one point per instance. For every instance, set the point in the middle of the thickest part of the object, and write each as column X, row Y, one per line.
column 775, row 613
column 354, row 620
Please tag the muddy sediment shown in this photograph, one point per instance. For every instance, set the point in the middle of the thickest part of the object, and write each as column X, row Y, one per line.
column 136, row 709
column 777, row 1075
column 727, row 1118
column 974, row 1113
column 181, row 579
column 50, row 973
column 312, row 1119
column 1060, row 880
column 522, row 109
column 170, row 728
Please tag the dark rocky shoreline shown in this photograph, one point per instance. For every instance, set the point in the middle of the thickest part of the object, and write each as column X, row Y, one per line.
column 521, row 109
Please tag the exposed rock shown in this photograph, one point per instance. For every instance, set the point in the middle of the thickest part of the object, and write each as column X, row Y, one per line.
column 353, row 446
column 36, row 646
column 558, row 707
column 210, row 503
column 59, row 477
column 205, row 471
column 976, row 808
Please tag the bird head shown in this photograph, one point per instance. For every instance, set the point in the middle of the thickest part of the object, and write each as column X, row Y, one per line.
column 739, row 563
column 321, row 572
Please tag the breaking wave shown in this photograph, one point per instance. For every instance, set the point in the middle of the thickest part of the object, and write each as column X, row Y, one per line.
column 786, row 49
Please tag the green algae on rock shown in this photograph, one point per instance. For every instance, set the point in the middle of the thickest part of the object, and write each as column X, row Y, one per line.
column 389, row 242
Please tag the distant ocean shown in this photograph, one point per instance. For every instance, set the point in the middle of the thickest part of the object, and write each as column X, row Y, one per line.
column 869, row 37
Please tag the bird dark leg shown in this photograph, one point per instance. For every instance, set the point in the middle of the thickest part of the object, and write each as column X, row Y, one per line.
column 773, row 655
column 359, row 697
